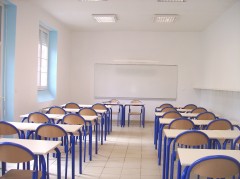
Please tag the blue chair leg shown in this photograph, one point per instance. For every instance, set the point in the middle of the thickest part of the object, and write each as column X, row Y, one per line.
column 179, row 170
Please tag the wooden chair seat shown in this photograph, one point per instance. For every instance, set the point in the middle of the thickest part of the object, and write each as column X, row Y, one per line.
column 115, row 112
column 20, row 174
column 134, row 113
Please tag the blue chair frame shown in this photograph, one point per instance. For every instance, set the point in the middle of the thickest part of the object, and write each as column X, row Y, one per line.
column 58, row 154
column 90, row 132
column 80, row 138
column 34, row 158
column 187, row 170
column 236, row 141
column 174, row 153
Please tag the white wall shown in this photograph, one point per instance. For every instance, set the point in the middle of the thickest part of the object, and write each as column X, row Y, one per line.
column 28, row 18
column 221, row 64
column 88, row 48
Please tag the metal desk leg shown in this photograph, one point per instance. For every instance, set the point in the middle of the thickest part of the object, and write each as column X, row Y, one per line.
column 73, row 155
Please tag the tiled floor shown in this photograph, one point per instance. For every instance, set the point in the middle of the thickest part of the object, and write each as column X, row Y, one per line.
column 127, row 153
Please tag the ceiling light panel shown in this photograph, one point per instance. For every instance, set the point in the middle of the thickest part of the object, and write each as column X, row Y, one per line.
column 165, row 18
column 91, row 0
column 171, row 0
column 105, row 18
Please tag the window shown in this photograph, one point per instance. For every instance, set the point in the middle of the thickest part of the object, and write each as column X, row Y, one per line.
column 47, row 63
column 43, row 48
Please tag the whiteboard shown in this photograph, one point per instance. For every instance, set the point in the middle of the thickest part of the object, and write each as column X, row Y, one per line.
column 135, row 81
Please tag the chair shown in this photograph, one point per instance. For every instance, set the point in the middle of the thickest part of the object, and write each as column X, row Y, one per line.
column 75, row 119
column 190, row 106
column 135, row 113
column 37, row 117
column 181, row 123
column 216, row 166
column 9, row 129
column 117, row 113
column 15, row 153
column 199, row 110
column 56, row 110
column 165, row 105
column 105, row 119
column 72, row 105
column 236, row 143
column 170, row 115
column 206, row 116
column 187, row 139
column 90, row 112
column 168, row 109
column 220, row 124
column 53, row 132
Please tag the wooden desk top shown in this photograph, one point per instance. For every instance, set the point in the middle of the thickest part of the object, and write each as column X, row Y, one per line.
column 196, row 122
column 39, row 147
column 212, row 134
column 134, row 104
column 34, row 126
column 51, row 116
column 77, row 110
column 188, row 156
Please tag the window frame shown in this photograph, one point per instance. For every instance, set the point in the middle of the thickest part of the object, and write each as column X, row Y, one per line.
column 40, row 58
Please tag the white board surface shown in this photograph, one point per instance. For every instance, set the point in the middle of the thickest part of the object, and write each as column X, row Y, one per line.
column 135, row 81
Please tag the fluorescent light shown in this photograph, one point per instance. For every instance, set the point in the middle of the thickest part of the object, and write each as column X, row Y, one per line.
column 165, row 18
column 171, row 0
column 105, row 18
column 91, row 0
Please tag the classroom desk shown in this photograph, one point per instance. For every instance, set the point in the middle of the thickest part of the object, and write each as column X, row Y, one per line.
column 102, row 112
column 41, row 148
column 160, row 115
column 135, row 104
column 171, row 134
column 165, row 121
column 70, row 129
column 90, row 120
column 188, row 156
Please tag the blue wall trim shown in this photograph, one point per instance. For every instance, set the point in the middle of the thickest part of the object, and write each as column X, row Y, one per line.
column 50, row 93
column 10, row 14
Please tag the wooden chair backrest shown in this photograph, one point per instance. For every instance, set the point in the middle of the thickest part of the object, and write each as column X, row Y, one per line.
column 87, row 112
column 50, row 131
column 72, row 105
column 168, row 109
column 73, row 119
column 192, row 138
column 199, row 110
column 206, row 116
column 172, row 114
column 99, row 107
column 136, row 101
column 56, row 110
column 38, row 118
column 217, row 168
column 165, row 105
column 14, row 153
column 181, row 123
column 190, row 106
column 220, row 124
column 7, row 129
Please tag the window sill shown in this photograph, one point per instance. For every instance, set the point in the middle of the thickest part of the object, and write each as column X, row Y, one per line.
column 44, row 95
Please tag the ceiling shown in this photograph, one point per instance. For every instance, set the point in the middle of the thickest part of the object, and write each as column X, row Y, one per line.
column 135, row 15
